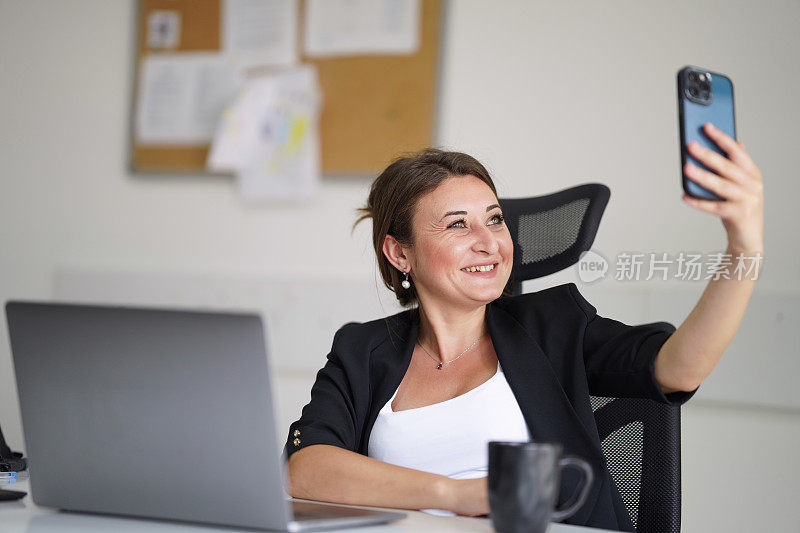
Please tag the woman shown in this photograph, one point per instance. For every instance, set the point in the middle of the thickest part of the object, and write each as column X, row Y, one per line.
column 401, row 413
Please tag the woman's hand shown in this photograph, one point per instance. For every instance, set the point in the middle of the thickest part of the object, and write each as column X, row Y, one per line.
column 469, row 497
column 737, row 180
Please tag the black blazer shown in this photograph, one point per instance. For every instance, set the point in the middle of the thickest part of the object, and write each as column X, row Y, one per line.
column 555, row 351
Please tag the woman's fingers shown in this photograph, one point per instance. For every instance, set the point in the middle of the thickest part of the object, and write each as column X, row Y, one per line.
column 727, row 189
column 735, row 150
column 718, row 163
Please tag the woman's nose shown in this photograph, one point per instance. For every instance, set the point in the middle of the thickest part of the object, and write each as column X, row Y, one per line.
column 486, row 241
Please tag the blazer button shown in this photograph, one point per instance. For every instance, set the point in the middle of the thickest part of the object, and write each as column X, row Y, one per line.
column 296, row 433
column 296, row 442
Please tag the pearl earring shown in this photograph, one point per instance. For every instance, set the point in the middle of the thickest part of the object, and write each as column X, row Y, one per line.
column 405, row 283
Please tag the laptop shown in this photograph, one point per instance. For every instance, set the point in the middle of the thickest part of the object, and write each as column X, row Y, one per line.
column 158, row 414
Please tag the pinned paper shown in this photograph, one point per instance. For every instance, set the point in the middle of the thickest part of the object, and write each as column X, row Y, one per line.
column 163, row 29
column 181, row 97
column 260, row 32
column 269, row 136
column 355, row 27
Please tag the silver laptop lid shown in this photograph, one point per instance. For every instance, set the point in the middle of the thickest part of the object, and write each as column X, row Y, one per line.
column 143, row 412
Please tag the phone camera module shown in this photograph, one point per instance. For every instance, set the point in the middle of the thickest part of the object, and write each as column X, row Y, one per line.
column 698, row 87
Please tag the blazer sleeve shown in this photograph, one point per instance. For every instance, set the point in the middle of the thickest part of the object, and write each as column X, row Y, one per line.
column 620, row 359
column 331, row 415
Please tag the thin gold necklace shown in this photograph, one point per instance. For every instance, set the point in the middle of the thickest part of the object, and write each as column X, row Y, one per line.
column 440, row 362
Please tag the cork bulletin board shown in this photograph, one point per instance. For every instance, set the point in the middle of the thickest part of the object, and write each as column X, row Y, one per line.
column 374, row 106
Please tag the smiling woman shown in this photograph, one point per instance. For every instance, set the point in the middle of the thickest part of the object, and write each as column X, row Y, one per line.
column 403, row 410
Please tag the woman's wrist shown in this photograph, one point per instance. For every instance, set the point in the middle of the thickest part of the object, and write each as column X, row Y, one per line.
column 445, row 493
column 750, row 260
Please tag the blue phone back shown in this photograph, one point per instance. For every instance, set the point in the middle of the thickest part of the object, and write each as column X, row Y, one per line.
column 720, row 112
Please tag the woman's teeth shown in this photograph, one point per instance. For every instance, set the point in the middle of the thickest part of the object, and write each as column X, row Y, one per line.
column 484, row 268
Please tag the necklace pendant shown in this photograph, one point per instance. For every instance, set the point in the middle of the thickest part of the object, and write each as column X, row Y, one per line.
column 439, row 366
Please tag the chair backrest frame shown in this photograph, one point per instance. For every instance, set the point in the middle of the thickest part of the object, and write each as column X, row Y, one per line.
column 515, row 210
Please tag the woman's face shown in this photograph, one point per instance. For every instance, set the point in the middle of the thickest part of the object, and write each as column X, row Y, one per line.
column 462, row 252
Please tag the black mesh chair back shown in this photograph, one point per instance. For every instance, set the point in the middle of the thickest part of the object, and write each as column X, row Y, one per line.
column 550, row 232
column 640, row 438
column 641, row 441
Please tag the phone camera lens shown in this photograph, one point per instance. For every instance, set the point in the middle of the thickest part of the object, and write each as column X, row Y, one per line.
column 693, row 91
column 692, row 76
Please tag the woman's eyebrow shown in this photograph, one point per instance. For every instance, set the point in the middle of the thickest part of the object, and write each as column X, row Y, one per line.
column 451, row 213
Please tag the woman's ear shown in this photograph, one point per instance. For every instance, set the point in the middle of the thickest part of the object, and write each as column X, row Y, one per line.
column 395, row 253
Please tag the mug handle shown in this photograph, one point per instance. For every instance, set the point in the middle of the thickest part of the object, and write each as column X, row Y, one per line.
column 572, row 506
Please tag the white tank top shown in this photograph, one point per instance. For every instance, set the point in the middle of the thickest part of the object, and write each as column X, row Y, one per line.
column 450, row 438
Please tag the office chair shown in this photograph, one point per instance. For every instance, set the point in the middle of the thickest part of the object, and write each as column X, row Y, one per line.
column 10, row 461
column 640, row 438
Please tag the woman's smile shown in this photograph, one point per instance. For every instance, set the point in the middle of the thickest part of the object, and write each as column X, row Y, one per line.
column 484, row 270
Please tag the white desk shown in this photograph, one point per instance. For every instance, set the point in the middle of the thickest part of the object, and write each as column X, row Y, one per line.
column 23, row 516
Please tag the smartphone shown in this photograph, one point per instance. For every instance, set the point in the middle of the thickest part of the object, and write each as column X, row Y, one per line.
column 703, row 96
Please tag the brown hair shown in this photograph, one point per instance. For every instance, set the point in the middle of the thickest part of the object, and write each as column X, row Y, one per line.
column 393, row 198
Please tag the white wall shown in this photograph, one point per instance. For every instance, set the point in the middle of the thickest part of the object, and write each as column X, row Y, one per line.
column 547, row 94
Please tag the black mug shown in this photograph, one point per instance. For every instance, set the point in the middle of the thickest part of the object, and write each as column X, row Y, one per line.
column 524, row 480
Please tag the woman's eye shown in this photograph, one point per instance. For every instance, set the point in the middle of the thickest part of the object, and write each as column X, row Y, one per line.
column 494, row 221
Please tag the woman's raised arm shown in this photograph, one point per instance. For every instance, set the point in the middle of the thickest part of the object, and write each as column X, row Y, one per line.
column 692, row 352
